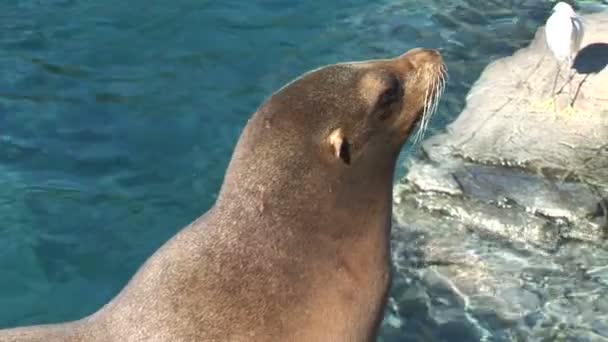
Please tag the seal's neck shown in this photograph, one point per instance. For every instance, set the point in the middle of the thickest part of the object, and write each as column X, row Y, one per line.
column 280, row 177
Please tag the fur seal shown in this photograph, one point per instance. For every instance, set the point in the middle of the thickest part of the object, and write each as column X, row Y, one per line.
column 296, row 247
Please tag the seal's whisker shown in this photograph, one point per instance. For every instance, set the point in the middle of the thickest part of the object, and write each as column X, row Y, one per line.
column 432, row 101
column 444, row 72
column 430, row 109
column 433, row 107
column 439, row 92
column 434, row 90
column 425, row 111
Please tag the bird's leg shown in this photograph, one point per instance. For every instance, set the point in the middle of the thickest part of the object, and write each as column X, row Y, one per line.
column 571, row 78
column 559, row 69
column 550, row 103
column 570, row 88
column 569, row 110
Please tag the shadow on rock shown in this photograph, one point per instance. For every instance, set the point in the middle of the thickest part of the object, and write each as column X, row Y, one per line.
column 592, row 59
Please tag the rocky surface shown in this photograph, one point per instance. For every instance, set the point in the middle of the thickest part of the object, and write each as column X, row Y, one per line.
column 501, row 227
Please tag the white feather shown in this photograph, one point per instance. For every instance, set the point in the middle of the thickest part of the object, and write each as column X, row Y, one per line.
column 564, row 32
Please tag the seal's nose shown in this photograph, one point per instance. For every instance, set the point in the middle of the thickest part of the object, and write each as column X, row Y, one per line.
column 420, row 56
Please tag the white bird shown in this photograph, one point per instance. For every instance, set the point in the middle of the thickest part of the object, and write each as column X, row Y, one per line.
column 564, row 34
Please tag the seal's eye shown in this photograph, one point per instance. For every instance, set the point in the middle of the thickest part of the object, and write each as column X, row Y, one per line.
column 391, row 94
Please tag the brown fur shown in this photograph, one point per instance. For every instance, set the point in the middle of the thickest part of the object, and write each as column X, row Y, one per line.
column 296, row 248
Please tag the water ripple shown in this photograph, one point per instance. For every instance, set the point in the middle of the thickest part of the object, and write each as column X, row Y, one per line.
column 117, row 119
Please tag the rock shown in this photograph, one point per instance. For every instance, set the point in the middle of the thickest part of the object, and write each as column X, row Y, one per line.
column 501, row 123
column 500, row 225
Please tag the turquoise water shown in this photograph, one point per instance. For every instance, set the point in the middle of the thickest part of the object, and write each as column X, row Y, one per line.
column 118, row 118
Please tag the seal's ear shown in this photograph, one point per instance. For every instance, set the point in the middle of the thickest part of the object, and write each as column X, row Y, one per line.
column 339, row 144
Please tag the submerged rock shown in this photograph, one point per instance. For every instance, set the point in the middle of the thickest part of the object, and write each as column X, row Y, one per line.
column 501, row 227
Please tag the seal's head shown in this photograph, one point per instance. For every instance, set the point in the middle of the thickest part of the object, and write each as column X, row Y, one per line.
column 348, row 117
